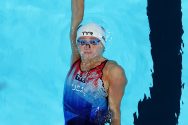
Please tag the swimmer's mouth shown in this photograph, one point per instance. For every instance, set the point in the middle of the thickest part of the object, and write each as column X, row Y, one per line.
column 87, row 52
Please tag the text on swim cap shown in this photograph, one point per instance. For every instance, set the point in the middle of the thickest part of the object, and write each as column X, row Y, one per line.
column 86, row 33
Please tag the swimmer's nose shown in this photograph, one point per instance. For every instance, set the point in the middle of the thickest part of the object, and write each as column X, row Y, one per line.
column 87, row 46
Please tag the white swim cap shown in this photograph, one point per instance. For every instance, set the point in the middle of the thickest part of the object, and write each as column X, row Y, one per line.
column 92, row 29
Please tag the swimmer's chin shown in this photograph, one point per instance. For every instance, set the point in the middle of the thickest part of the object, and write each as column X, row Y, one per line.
column 88, row 56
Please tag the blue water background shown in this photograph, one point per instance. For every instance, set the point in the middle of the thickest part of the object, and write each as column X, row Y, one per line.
column 35, row 56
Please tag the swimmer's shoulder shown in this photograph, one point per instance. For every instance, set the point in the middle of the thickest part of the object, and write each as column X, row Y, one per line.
column 115, row 72
column 113, row 66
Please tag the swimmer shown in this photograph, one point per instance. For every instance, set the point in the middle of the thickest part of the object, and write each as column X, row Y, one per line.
column 94, row 85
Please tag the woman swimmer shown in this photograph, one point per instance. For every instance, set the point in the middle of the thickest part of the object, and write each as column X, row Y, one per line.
column 94, row 85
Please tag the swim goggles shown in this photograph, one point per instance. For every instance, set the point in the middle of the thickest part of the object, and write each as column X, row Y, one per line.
column 83, row 42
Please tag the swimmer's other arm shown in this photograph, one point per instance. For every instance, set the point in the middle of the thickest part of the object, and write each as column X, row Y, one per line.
column 77, row 7
column 117, row 83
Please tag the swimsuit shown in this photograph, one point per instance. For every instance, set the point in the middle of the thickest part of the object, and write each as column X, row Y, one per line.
column 85, row 99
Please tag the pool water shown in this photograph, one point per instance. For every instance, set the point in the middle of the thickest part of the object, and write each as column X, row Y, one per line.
column 35, row 56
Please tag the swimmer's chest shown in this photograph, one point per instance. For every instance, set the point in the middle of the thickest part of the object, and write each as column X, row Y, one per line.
column 95, row 78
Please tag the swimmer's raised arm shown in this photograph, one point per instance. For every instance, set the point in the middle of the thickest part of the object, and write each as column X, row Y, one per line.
column 117, row 83
column 77, row 16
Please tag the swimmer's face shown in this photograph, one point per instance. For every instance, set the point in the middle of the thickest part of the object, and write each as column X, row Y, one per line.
column 89, row 47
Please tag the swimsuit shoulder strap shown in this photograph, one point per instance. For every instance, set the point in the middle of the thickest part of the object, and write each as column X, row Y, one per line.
column 74, row 64
column 101, row 66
